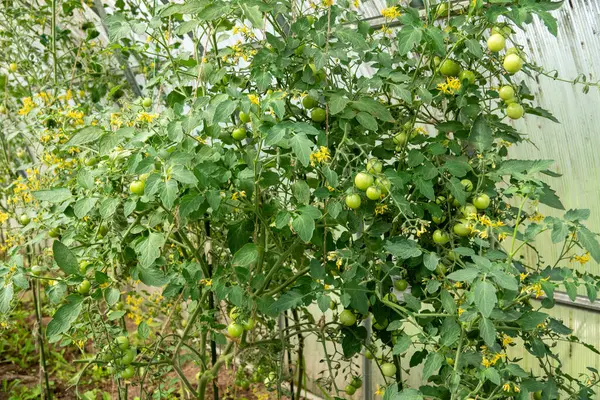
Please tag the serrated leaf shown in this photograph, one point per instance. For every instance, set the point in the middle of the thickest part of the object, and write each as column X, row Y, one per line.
column 485, row 297
column 505, row 280
column 588, row 240
column 64, row 257
column 481, row 135
column 433, row 363
column 403, row 343
column 83, row 206
column 302, row 147
column 86, row 135
column 108, row 207
column 457, row 167
column 487, row 331
column 254, row 15
column 431, row 261
column 245, row 256
column 457, row 190
column 287, row 300
column 464, row 275
column 301, row 191
column 367, row 121
column 323, row 302
column 149, row 248
column 56, row 195
column 64, row 316
column 168, row 194
column 224, row 111
column 407, row 38
column 85, row 179
column 6, row 295
column 403, row 248
column 337, row 104
column 304, row 225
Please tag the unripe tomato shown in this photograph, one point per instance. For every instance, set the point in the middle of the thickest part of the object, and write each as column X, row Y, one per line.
column 537, row 395
column 440, row 237
column 401, row 285
column 128, row 372
column 450, row 68
column 318, row 114
column 147, row 102
column 506, row 92
column 357, row 382
column 2, row 109
column 347, row 318
column 496, row 42
column 482, row 201
column 442, row 10
column 24, row 219
column 468, row 209
column 310, row 19
column 37, row 270
column 400, row 139
column 467, row 184
column 123, row 342
column 350, row 390
column 512, row 63
column 374, row 166
column 309, row 102
column 462, row 229
column 103, row 230
column 12, row 67
column 466, row 75
column 235, row 330
column 515, row 111
column 383, row 184
column 440, row 200
column 248, row 324
column 244, row 117
column 438, row 220
column 368, row 354
column 239, row 133
column 452, row 256
column 380, row 325
column 84, row 287
column 91, row 161
column 234, row 313
column 137, row 187
column 388, row 369
column 54, row 232
column 373, row 193
column 362, row 180
column 513, row 50
column 128, row 357
column 353, row 201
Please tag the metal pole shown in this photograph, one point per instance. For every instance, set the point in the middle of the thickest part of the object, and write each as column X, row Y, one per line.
column 367, row 370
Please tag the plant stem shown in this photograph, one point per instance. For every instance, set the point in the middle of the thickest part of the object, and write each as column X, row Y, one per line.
column 40, row 333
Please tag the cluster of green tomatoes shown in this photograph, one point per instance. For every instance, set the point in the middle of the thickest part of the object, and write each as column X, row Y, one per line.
column 372, row 182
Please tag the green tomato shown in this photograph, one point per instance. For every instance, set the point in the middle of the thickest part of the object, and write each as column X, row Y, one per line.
column 362, row 181
column 468, row 209
column 318, row 114
column 440, row 237
column 239, row 133
column 347, row 318
column 442, row 10
column 467, row 184
column 234, row 313
column 122, row 342
column 235, row 330
column 401, row 139
column 462, row 228
column 89, row 162
column 401, row 285
column 137, row 187
column 353, row 201
column 350, row 390
column 515, row 111
column 380, row 325
column 128, row 372
column 37, row 270
column 24, row 219
column 438, row 220
column 383, row 184
column 309, row 102
column 374, row 166
column 482, row 201
column 128, row 357
column 537, row 395
column 496, row 42
column 357, row 382
column 373, row 193
column 388, row 369
column 54, row 232
column 84, row 287
column 450, row 68
column 369, row 355
column 244, row 117
column 12, row 67
column 512, row 63
column 506, row 92
column 249, row 324
column 440, row 200
column 466, row 75
column 147, row 102
column 103, row 230
column 310, row 19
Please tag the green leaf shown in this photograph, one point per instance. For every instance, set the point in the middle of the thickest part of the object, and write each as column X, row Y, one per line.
column 352, row 37
column 549, row 21
column 457, row 190
column 425, row 188
column 301, row 191
column 407, row 38
column 287, row 300
column 487, row 331
column 403, row 248
column 464, row 275
column 6, row 295
column 588, row 240
column 457, row 167
column 108, row 207
column 183, row 175
column 245, row 256
column 64, row 317
column 571, row 290
column 505, row 280
column 56, row 195
column 436, row 40
column 492, row 375
column 367, row 121
column 83, row 206
column 433, row 363
column 254, row 15
column 550, row 198
column 304, row 226
column 302, row 147
column 143, row 330
column 373, row 107
column 337, row 104
column 263, row 80
column 403, row 343
column 86, row 135
column 449, row 333
column 64, row 258
column 112, row 295
column 431, row 261
column 224, row 111
column 485, row 297
column 577, row 215
column 149, row 248
column 474, row 47
column 85, row 179
column 531, row 319
column 168, row 194
column 323, row 302
column 481, row 135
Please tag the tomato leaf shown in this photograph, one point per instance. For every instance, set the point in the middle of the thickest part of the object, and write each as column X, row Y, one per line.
column 65, row 259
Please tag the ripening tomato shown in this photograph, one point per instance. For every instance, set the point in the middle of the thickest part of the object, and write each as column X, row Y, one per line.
column 309, row 102
column 353, row 201
column 482, row 201
column 450, row 68
column 388, row 369
column 244, row 117
column 374, row 166
column 54, row 232
column 496, row 42
column 137, row 187
column 515, row 111
column 438, row 220
column 373, row 193
column 362, row 180
column 440, row 237
column 347, row 318
column 318, row 114
column 506, row 92
column 512, row 63
column 235, row 330
column 239, row 133
column 368, row 354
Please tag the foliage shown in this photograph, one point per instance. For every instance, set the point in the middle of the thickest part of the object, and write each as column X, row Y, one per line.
column 170, row 222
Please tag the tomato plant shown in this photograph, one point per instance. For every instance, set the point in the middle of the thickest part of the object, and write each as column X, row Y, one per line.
column 226, row 170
